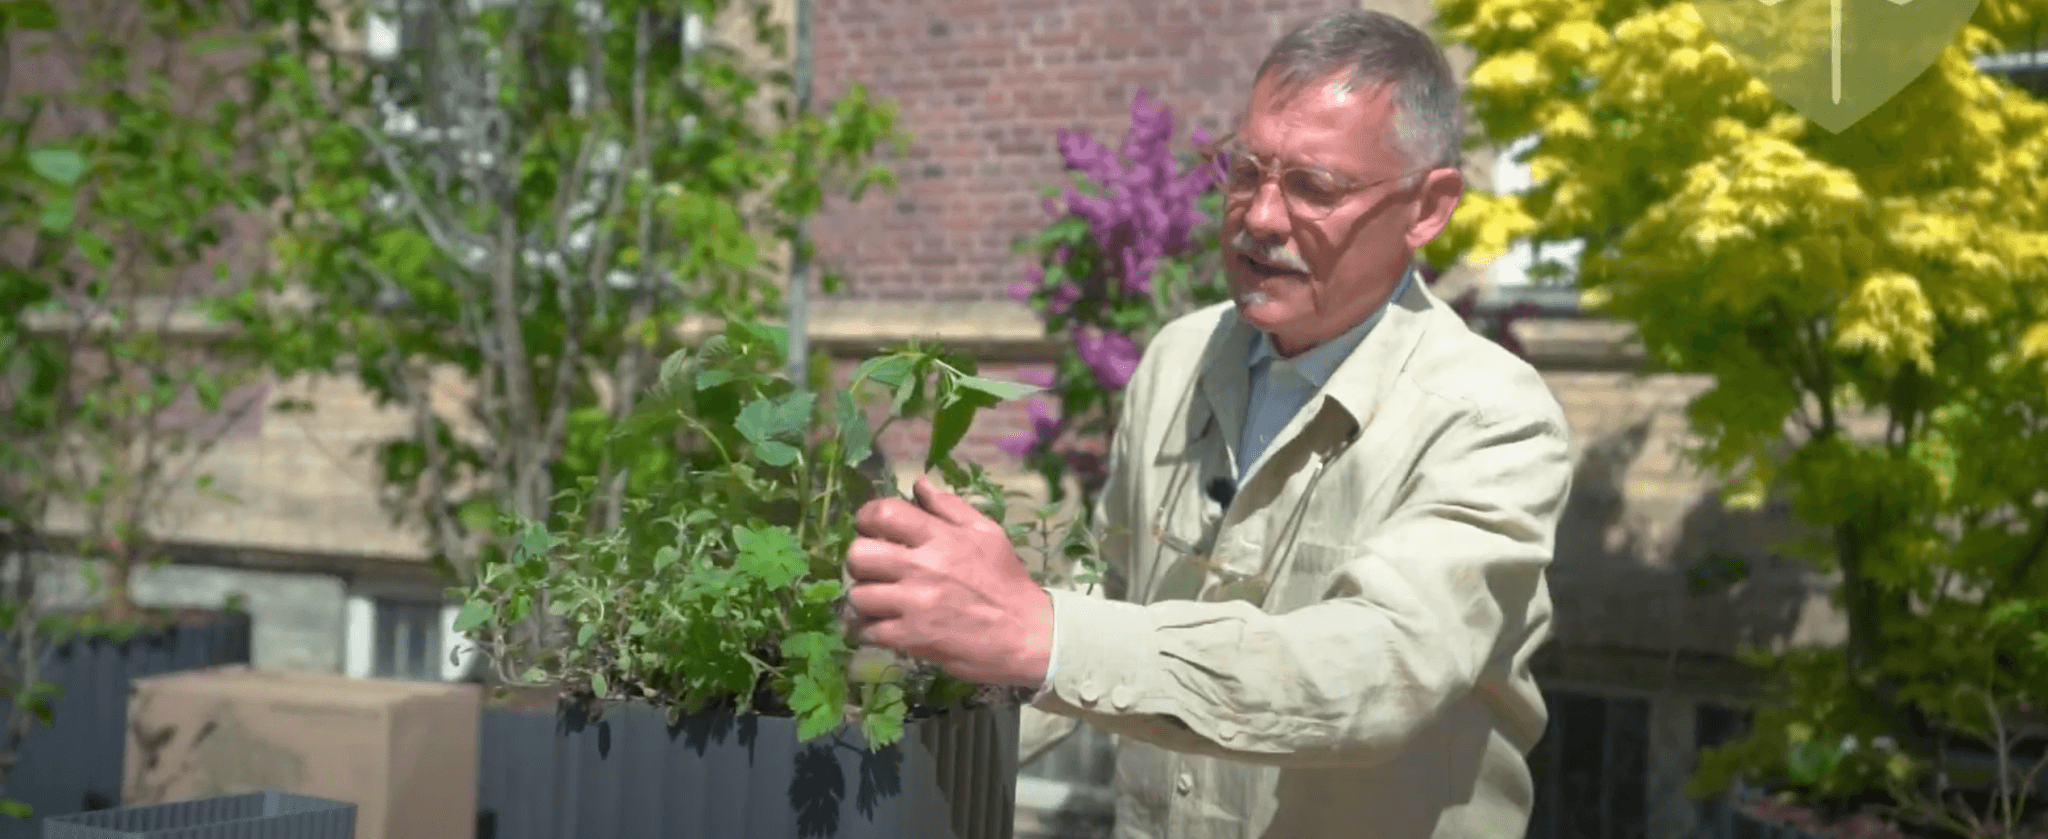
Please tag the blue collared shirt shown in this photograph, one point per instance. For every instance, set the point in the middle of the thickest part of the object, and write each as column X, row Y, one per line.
column 1281, row 386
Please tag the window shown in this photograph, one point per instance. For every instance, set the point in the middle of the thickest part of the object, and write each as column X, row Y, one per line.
column 407, row 634
column 399, row 634
column 2028, row 70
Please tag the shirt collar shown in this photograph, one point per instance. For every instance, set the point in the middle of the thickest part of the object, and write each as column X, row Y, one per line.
column 1322, row 360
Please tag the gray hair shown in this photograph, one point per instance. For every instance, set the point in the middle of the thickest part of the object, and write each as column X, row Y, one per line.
column 1380, row 49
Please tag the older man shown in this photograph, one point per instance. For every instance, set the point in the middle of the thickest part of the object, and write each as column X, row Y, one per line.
column 1329, row 509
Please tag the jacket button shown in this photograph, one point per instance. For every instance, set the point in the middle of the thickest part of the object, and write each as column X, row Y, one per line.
column 1184, row 784
column 1121, row 697
column 1226, row 730
column 1089, row 691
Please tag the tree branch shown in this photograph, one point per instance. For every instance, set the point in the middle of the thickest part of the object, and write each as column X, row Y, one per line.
column 628, row 372
column 449, row 242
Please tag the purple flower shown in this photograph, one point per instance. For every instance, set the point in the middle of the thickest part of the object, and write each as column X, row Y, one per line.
column 1088, row 156
column 1138, row 267
column 1111, row 356
column 1045, row 428
column 1022, row 290
column 1063, row 298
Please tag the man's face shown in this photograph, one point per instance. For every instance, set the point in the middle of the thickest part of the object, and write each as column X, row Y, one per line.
column 1304, row 280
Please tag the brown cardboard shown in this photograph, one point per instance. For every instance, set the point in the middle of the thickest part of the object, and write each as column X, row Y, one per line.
column 405, row 753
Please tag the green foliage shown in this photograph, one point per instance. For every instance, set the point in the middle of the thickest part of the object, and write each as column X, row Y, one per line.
column 720, row 583
column 1104, row 277
column 121, row 191
column 1875, row 293
column 502, row 229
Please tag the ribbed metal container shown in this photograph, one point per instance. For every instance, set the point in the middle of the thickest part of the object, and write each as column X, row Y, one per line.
column 627, row 775
column 256, row 815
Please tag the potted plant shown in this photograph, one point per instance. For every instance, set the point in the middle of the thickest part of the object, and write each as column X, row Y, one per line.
column 711, row 603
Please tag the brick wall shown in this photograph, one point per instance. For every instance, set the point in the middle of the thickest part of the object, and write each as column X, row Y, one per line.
column 983, row 86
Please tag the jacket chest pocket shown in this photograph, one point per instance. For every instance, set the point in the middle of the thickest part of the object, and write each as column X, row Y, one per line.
column 1193, row 560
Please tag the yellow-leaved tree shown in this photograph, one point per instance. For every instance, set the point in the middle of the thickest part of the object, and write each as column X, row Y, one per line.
column 1873, row 307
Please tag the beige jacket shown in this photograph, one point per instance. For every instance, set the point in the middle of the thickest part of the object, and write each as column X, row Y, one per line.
column 1342, row 651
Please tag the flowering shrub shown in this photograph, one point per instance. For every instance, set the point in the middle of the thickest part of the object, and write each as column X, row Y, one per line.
column 1133, row 245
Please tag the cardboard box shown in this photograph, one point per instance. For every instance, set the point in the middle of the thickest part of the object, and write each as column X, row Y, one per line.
column 405, row 753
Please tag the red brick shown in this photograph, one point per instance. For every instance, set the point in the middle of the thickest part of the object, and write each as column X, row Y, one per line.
column 984, row 100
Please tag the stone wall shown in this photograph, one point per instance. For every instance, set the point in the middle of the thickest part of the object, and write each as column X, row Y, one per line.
column 296, row 618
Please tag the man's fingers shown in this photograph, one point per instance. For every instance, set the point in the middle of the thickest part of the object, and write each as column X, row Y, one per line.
column 952, row 508
column 877, row 602
column 896, row 520
column 876, row 560
column 888, row 634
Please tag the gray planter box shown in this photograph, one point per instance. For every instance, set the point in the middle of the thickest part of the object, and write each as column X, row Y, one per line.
column 628, row 775
column 257, row 815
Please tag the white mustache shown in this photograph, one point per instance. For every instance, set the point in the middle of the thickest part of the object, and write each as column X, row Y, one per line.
column 1277, row 255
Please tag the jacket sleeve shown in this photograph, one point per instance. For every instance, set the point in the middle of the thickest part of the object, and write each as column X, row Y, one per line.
column 1040, row 729
column 1450, row 585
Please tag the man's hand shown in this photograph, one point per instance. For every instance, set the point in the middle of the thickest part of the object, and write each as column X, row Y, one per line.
column 943, row 584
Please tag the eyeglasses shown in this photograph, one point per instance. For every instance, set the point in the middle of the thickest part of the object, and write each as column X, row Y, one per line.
column 1311, row 193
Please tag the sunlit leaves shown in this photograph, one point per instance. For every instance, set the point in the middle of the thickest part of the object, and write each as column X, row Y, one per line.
column 1866, row 305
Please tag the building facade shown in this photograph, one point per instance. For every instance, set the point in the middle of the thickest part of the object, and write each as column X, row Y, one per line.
column 333, row 585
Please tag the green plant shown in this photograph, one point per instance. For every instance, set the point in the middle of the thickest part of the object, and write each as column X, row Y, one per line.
column 503, row 227
column 1133, row 246
column 720, row 583
column 1868, row 306
column 121, row 188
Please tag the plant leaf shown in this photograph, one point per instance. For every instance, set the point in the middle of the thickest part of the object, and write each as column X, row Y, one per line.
column 756, row 421
column 475, row 613
column 881, row 720
column 672, row 369
column 537, row 541
column 60, row 166
column 771, row 554
column 814, row 647
column 853, row 428
column 888, row 371
column 776, row 453
column 818, row 700
column 1000, row 389
column 949, row 425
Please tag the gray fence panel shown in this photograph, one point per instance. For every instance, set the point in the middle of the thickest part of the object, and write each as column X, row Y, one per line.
column 74, row 764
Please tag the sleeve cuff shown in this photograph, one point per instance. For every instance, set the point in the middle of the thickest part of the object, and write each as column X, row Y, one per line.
column 1100, row 676
column 1052, row 661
